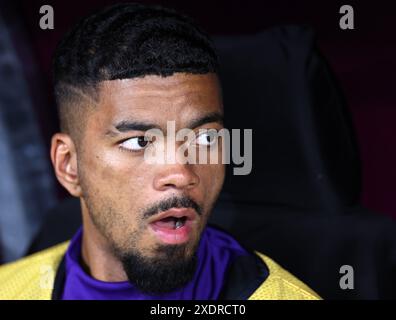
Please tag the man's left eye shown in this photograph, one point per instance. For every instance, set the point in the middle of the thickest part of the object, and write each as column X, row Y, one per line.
column 135, row 143
column 207, row 138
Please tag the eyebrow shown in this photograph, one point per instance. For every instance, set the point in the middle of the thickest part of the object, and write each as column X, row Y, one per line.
column 125, row 126
column 128, row 125
column 208, row 118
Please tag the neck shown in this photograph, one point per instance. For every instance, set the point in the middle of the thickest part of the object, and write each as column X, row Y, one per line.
column 97, row 256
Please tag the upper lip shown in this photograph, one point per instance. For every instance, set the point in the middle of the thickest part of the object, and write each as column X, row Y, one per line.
column 189, row 213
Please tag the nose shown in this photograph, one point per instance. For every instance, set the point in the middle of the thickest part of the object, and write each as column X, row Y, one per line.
column 176, row 176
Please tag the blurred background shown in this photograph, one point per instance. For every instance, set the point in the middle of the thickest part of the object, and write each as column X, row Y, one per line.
column 362, row 62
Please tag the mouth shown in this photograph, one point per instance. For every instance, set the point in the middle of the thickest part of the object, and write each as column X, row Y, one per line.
column 173, row 226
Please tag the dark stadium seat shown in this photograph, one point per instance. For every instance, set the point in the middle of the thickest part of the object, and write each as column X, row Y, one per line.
column 300, row 204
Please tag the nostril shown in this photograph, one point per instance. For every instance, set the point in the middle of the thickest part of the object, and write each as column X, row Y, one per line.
column 169, row 185
column 179, row 180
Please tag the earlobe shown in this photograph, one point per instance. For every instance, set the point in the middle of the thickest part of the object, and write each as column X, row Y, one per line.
column 64, row 161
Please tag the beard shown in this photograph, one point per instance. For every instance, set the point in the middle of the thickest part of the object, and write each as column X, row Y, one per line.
column 167, row 269
column 171, row 266
column 170, row 269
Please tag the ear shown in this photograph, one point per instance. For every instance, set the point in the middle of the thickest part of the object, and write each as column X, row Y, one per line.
column 64, row 161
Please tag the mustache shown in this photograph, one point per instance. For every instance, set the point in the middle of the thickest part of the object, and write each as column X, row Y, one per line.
column 174, row 202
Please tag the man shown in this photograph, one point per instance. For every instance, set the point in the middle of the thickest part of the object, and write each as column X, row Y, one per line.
column 119, row 74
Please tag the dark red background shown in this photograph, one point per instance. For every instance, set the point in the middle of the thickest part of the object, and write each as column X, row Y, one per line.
column 362, row 59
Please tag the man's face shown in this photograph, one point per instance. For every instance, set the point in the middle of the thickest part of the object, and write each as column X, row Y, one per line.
column 129, row 200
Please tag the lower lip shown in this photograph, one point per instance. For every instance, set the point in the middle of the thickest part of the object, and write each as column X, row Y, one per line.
column 173, row 236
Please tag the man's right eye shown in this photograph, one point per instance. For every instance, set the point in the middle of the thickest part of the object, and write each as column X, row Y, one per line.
column 135, row 143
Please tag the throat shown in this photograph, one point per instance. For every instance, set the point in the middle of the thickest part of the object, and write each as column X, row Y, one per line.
column 98, row 260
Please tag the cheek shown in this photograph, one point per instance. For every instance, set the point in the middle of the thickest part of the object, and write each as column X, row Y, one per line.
column 117, row 171
column 212, row 178
column 114, row 181
column 220, row 177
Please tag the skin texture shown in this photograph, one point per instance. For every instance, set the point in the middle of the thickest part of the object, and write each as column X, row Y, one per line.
column 116, row 186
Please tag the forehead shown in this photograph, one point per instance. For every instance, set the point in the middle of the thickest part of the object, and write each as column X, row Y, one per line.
column 157, row 98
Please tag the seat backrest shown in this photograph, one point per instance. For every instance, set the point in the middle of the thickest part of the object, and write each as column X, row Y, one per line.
column 304, row 151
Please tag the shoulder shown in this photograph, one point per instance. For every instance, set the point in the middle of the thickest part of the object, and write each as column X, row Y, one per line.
column 31, row 277
column 253, row 275
column 281, row 285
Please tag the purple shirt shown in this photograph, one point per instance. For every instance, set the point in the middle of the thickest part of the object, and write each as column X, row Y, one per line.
column 216, row 252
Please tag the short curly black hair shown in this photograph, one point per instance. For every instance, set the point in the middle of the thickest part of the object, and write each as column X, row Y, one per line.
column 126, row 41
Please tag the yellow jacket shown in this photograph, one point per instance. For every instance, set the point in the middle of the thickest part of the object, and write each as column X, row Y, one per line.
column 32, row 278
